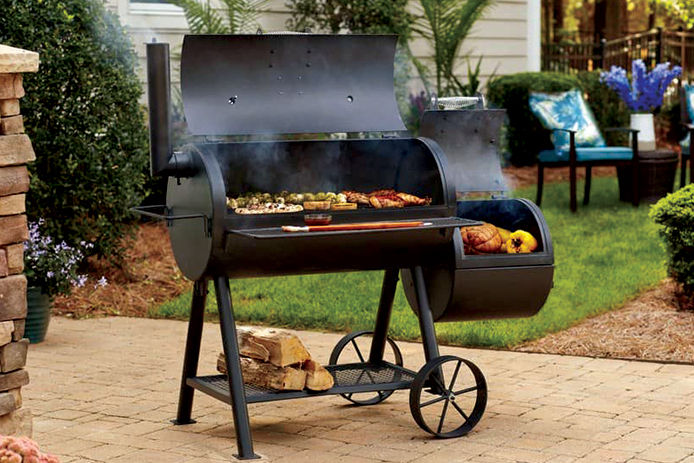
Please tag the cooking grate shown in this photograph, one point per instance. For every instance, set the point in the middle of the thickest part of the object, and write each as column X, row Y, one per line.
column 349, row 378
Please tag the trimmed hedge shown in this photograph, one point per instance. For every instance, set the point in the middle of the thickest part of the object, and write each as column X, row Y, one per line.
column 84, row 118
column 675, row 213
column 526, row 137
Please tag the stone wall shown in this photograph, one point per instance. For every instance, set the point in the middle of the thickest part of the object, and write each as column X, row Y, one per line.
column 15, row 152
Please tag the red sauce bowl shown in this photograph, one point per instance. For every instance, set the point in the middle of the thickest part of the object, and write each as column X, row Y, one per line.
column 318, row 219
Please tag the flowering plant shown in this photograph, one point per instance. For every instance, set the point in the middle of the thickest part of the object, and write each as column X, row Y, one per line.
column 646, row 90
column 54, row 266
column 22, row 450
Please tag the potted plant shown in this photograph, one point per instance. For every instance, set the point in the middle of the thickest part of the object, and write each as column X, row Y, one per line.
column 643, row 95
column 51, row 268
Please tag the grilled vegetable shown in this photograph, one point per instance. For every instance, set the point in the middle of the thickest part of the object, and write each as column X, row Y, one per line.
column 317, row 205
column 521, row 242
column 505, row 236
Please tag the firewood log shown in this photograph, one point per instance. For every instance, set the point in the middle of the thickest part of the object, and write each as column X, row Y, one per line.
column 263, row 374
column 278, row 347
column 317, row 377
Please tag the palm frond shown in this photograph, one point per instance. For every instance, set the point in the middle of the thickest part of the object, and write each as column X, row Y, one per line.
column 242, row 15
column 446, row 24
column 202, row 18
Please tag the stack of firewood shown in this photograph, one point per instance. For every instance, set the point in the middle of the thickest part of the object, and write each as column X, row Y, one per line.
column 278, row 360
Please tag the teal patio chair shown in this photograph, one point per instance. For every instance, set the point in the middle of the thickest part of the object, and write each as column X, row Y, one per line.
column 578, row 142
column 687, row 108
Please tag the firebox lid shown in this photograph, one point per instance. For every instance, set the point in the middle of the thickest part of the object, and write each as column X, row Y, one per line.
column 289, row 83
column 470, row 139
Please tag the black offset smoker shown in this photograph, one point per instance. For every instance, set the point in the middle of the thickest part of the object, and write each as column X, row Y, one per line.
column 283, row 84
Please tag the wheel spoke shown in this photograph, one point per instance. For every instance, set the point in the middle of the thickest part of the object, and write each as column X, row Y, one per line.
column 443, row 415
column 356, row 347
column 460, row 410
column 455, row 375
column 432, row 401
column 466, row 390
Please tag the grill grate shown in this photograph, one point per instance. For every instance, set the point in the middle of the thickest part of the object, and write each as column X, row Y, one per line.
column 349, row 378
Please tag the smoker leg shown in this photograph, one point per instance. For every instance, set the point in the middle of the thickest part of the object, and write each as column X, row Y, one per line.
column 683, row 170
column 385, row 308
column 192, row 355
column 426, row 322
column 586, row 190
column 244, row 442
column 540, row 182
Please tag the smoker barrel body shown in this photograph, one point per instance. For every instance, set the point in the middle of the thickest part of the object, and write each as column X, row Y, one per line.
column 245, row 245
column 476, row 287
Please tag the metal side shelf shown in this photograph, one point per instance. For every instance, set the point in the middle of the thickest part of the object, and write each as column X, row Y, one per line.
column 429, row 224
column 349, row 378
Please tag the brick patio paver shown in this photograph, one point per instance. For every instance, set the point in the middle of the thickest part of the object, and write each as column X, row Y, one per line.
column 103, row 390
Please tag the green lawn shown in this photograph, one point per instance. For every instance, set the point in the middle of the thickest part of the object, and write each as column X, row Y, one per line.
column 605, row 254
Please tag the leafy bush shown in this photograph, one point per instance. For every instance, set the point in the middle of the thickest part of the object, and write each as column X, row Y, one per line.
column 358, row 16
column 83, row 116
column 526, row 136
column 675, row 213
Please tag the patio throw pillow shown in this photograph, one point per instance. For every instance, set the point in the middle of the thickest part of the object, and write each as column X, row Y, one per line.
column 689, row 101
column 566, row 110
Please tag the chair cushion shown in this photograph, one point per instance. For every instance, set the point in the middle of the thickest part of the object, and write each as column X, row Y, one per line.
column 603, row 153
column 567, row 110
column 689, row 100
column 684, row 144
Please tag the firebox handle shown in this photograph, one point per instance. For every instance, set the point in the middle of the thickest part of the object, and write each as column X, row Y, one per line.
column 169, row 218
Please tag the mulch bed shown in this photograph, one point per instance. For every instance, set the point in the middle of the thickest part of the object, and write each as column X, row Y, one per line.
column 148, row 277
column 649, row 327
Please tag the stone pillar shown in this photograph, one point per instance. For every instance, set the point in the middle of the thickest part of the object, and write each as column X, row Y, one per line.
column 15, row 152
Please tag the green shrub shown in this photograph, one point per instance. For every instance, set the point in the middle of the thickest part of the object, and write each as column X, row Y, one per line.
column 675, row 213
column 526, row 136
column 356, row 16
column 83, row 116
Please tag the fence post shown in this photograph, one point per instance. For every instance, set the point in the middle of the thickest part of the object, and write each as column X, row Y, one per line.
column 601, row 55
column 659, row 45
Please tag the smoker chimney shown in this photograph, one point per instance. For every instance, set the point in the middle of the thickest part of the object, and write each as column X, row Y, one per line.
column 163, row 161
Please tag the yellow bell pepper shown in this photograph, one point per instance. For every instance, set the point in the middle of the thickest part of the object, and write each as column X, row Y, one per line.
column 521, row 242
column 505, row 236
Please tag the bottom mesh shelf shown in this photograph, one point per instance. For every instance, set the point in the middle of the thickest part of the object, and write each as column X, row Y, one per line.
column 349, row 378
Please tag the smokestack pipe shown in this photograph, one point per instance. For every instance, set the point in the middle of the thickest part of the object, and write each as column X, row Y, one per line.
column 163, row 161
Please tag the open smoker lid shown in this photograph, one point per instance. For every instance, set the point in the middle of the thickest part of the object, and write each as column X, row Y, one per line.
column 289, row 83
column 469, row 138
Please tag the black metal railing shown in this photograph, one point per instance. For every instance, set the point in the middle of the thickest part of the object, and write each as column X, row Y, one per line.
column 653, row 46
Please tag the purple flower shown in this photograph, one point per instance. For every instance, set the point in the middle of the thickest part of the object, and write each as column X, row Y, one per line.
column 646, row 90
column 101, row 283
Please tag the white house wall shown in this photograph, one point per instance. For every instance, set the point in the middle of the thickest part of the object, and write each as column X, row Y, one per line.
column 500, row 37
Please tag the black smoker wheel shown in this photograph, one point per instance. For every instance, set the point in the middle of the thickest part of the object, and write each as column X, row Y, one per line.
column 348, row 348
